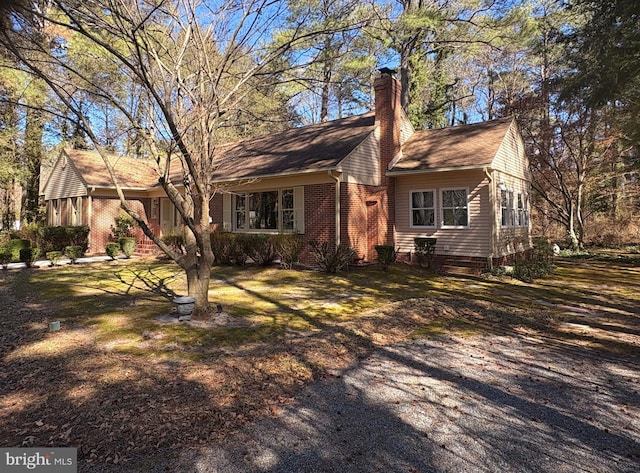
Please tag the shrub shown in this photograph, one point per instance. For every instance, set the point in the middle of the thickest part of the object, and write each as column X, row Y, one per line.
column 5, row 259
column 29, row 255
column 387, row 254
column 14, row 247
column 31, row 232
column 58, row 238
column 288, row 246
column 424, row 249
column 227, row 248
column 128, row 246
column 331, row 258
column 73, row 252
column 54, row 257
column 538, row 264
column 176, row 242
column 112, row 250
column 124, row 223
column 260, row 249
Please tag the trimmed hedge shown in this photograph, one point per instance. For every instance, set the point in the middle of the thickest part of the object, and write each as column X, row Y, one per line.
column 112, row 250
column 29, row 255
column 15, row 246
column 236, row 248
column 73, row 252
column 54, row 256
column 128, row 246
column 58, row 238
column 387, row 254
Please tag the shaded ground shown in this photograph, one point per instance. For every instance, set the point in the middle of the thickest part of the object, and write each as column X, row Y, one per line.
column 515, row 368
column 483, row 404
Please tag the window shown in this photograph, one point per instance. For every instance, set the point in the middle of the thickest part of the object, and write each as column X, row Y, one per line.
column 54, row 216
column 423, row 212
column 74, row 206
column 268, row 210
column 512, row 213
column 514, row 209
column 504, row 207
column 521, row 216
column 241, row 211
column 288, row 211
column 454, row 208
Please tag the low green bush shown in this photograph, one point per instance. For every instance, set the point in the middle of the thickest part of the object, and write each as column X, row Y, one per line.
column 14, row 246
column 58, row 238
column 54, row 257
column 124, row 223
column 29, row 255
column 73, row 252
column 424, row 249
column 128, row 246
column 112, row 250
column 387, row 254
column 535, row 264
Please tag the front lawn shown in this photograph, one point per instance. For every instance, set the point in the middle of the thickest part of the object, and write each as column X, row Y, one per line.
column 121, row 386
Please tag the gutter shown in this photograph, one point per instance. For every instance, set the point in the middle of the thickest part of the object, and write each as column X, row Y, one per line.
column 424, row 171
column 279, row 174
column 337, row 181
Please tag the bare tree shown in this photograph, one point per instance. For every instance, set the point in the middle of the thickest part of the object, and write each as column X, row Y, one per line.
column 193, row 61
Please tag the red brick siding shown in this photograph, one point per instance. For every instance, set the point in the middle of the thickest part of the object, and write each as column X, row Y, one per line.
column 105, row 210
column 216, row 211
column 319, row 217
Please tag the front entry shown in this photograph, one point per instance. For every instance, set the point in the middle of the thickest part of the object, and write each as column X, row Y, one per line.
column 168, row 218
column 373, row 219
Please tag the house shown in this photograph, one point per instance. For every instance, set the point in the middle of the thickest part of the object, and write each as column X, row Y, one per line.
column 361, row 181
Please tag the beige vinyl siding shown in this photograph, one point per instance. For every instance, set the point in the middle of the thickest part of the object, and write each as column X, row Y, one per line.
column 510, row 239
column 64, row 181
column 472, row 241
column 406, row 130
column 362, row 166
column 510, row 157
column 511, row 171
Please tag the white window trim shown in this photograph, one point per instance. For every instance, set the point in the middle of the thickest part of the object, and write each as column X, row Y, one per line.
column 441, row 208
column 517, row 217
column 279, row 210
column 435, row 208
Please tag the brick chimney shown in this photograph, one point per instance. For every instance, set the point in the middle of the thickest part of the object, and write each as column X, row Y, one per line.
column 388, row 117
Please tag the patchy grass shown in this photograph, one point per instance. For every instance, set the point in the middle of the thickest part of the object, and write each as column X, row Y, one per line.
column 120, row 385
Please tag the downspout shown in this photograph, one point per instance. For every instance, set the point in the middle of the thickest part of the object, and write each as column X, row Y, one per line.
column 492, row 206
column 90, row 192
column 337, row 181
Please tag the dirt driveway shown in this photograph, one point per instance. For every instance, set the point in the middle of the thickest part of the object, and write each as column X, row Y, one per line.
column 481, row 404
